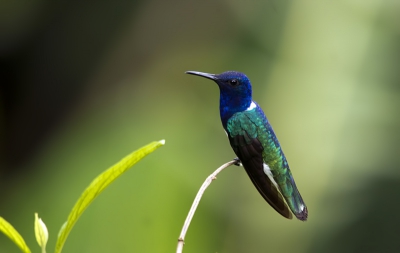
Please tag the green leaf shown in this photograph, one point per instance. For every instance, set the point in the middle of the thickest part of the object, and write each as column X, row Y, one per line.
column 10, row 231
column 98, row 185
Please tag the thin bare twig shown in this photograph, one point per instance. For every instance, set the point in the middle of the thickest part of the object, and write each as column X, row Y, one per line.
column 207, row 182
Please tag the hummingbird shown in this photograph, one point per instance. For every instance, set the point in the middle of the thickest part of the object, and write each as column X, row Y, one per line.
column 254, row 142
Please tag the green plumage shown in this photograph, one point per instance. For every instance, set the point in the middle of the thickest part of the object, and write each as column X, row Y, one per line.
column 254, row 126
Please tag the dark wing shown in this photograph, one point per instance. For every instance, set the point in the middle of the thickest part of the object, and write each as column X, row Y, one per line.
column 249, row 151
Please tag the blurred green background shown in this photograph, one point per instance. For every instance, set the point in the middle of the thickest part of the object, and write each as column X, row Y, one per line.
column 84, row 84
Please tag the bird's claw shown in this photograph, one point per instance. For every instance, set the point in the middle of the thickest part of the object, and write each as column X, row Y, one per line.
column 237, row 162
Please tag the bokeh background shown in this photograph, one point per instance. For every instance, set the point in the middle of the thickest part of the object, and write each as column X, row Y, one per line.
column 82, row 84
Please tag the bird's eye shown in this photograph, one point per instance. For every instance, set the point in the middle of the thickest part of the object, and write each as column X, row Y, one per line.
column 234, row 82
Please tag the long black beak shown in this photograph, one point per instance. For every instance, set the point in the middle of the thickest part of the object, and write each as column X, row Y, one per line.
column 206, row 75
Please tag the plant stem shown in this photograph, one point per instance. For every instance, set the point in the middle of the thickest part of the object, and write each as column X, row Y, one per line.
column 207, row 182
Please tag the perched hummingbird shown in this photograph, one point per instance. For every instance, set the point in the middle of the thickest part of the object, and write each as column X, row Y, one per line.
column 254, row 142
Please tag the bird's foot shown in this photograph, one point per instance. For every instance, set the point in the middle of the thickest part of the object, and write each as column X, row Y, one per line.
column 237, row 162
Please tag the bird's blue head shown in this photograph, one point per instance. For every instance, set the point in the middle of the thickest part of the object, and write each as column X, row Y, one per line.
column 235, row 92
